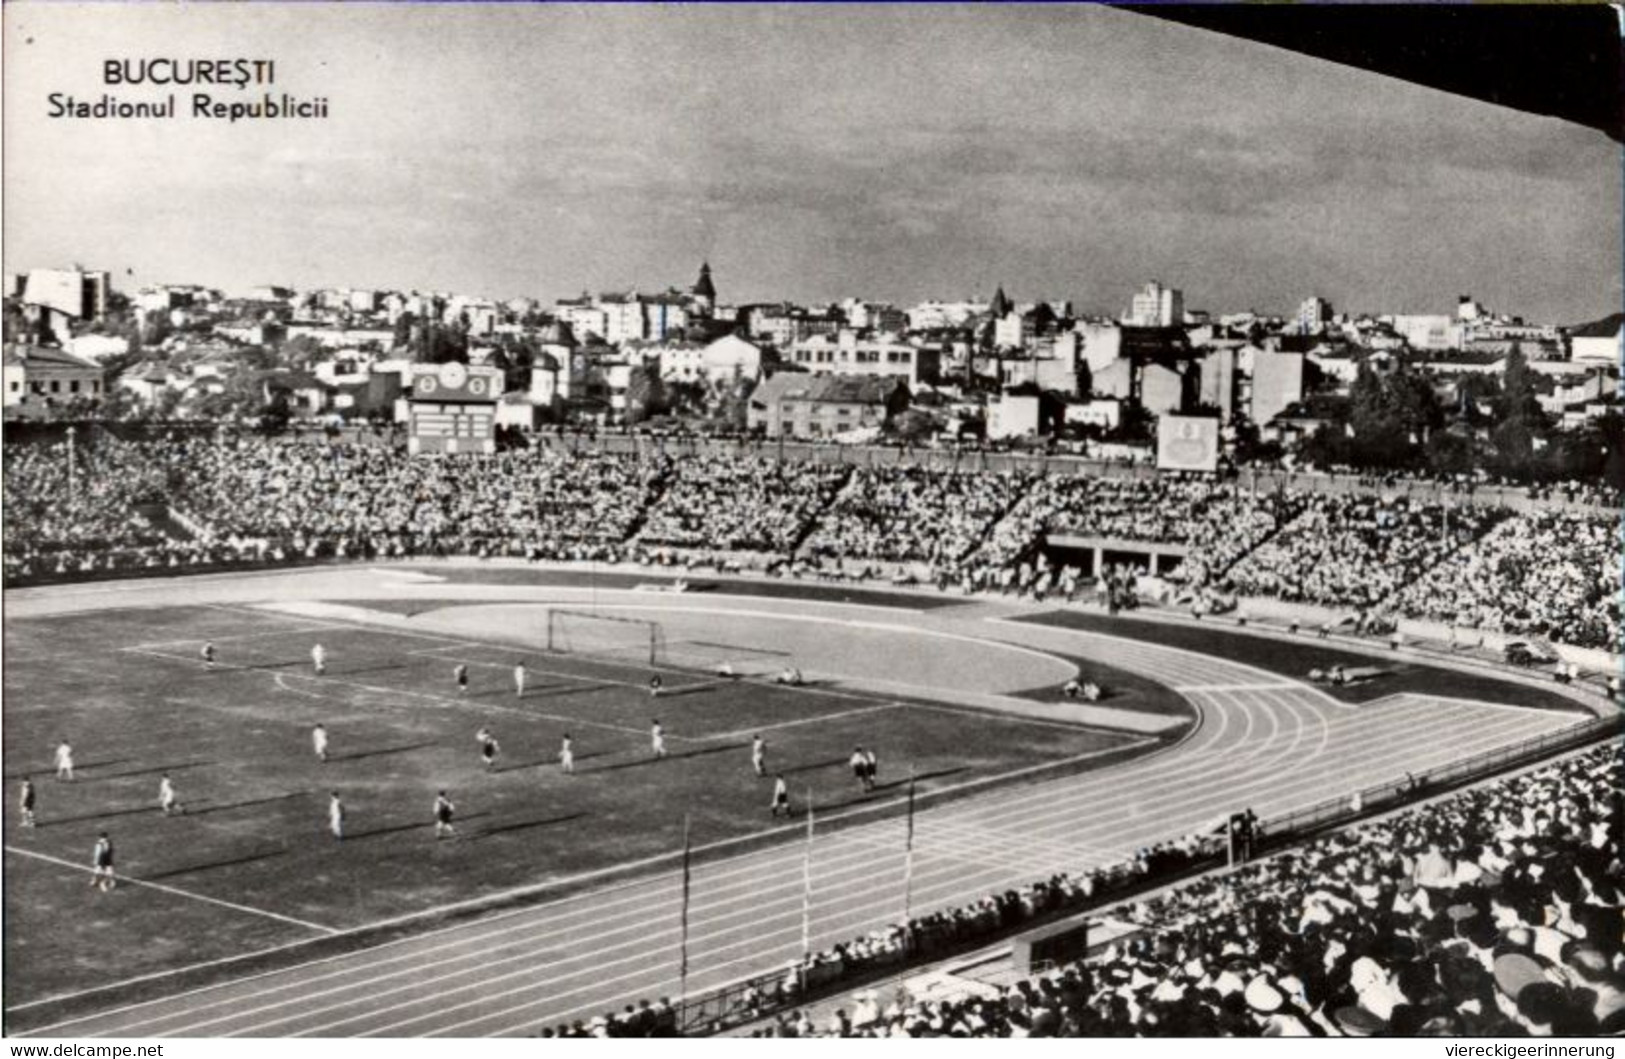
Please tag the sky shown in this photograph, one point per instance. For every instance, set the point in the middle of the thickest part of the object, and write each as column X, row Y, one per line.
column 809, row 152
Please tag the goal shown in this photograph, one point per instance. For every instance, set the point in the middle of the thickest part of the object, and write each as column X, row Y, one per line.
column 609, row 636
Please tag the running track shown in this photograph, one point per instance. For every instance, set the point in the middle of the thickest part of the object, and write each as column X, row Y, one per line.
column 1265, row 742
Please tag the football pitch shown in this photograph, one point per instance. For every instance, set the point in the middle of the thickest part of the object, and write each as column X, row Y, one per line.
column 249, row 865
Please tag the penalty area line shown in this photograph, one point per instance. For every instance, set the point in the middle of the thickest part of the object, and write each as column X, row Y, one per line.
column 134, row 881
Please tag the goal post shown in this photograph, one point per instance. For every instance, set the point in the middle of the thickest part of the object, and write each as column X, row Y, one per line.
column 607, row 636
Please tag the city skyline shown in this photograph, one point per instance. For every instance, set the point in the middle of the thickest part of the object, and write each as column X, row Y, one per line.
column 892, row 153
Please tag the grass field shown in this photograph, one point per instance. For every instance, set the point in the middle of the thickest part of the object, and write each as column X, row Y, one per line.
column 250, row 865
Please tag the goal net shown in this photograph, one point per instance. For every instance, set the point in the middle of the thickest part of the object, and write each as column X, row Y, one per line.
column 608, row 636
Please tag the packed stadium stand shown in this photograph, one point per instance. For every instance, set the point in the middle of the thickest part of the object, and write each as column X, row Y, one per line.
column 244, row 498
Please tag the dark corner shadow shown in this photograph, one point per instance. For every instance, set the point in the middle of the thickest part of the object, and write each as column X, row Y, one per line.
column 81, row 766
column 179, row 766
column 250, row 859
column 426, row 824
column 814, row 766
column 551, row 760
column 526, row 825
column 544, row 691
column 361, row 755
column 251, row 803
column 891, row 786
column 651, row 760
column 382, row 668
column 108, row 815
column 902, row 781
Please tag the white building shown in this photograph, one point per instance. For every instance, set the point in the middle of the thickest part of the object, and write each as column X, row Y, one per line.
column 1157, row 306
column 14, row 378
column 846, row 353
column 663, row 316
column 1101, row 344
column 584, row 320
column 1313, row 315
column 1012, row 416
column 1429, row 331
column 935, row 315
column 97, row 348
column 623, row 318
column 1598, row 343
column 1277, row 383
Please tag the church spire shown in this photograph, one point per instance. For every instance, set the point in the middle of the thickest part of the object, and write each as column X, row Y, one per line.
column 1001, row 305
column 704, row 288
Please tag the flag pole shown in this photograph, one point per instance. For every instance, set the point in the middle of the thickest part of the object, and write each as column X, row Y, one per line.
column 682, row 965
column 908, row 862
column 806, row 886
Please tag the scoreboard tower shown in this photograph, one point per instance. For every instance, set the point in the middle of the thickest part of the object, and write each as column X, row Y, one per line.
column 453, row 408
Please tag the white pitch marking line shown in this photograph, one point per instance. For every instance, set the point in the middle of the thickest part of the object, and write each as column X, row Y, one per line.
column 808, row 720
column 179, row 892
column 283, row 684
column 260, row 634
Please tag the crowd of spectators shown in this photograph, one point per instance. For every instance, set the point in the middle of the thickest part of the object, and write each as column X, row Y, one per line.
column 1495, row 912
column 754, row 504
column 644, row 1019
column 1218, row 522
column 244, row 498
column 1354, row 550
column 1548, row 574
column 911, row 514
column 374, row 500
column 83, row 520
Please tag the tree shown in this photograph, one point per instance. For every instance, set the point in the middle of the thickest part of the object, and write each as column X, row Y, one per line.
column 1474, row 390
column 1450, row 452
column 276, row 413
column 1518, row 398
column 914, row 425
column 166, row 403
column 1414, row 403
column 301, row 352
column 403, row 330
column 645, row 395
column 1610, row 434
column 120, row 403
column 735, row 405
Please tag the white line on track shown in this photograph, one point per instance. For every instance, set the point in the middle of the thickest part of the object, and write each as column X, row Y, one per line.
column 1279, row 686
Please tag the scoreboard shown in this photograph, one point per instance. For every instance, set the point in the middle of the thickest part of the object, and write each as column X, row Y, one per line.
column 453, row 408
column 1187, row 443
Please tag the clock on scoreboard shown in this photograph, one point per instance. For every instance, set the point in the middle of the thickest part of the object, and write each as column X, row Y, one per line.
column 456, row 382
